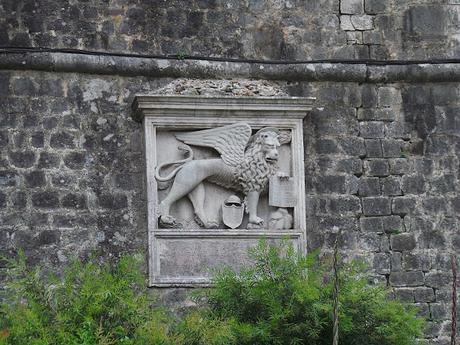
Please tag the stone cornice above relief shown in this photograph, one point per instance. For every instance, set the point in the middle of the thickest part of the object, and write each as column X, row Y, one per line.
column 107, row 64
column 160, row 105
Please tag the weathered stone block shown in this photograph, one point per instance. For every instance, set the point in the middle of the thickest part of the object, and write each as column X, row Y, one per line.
column 438, row 280
column 391, row 185
column 4, row 138
column 345, row 204
column 391, row 148
column 434, row 239
column 351, row 6
column 113, row 201
column 404, row 295
column 345, row 23
column 455, row 203
column 392, row 224
column 382, row 263
column 376, row 167
column 368, row 186
column 8, row 178
column 20, row 140
column 73, row 200
column 62, row 140
column 19, row 200
column 376, row 6
column 22, row 159
column 426, row 21
column 424, row 294
column 373, row 148
column 415, row 261
column 435, row 204
column 424, row 166
column 411, row 278
column 362, row 22
column 326, row 146
column 128, row 181
column 30, row 121
column 24, row 86
column 369, row 95
column 331, row 184
column 376, row 114
column 439, row 311
column 403, row 242
column 351, row 165
column 46, row 237
column 414, row 184
column 372, row 37
column 372, row 129
column 354, row 37
column 35, row 179
column 2, row 200
column 444, row 184
column 376, row 206
column 371, row 224
column 46, row 199
column 371, row 242
column 353, row 146
column 399, row 166
column 396, row 261
column 50, row 122
column 388, row 96
column 48, row 160
column 423, row 310
column 37, row 139
column 398, row 129
column 75, row 160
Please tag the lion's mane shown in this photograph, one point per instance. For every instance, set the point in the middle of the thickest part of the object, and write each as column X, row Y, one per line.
column 253, row 172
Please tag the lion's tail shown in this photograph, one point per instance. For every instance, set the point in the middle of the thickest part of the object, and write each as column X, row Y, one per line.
column 186, row 149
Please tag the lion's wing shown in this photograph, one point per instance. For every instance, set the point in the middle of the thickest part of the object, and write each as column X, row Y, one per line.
column 230, row 141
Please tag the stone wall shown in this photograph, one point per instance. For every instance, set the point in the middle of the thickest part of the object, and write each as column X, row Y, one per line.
column 382, row 165
column 382, row 145
column 260, row 29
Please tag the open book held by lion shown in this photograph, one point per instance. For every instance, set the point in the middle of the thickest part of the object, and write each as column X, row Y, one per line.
column 247, row 162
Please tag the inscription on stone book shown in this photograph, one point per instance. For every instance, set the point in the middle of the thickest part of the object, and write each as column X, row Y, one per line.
column 282, row 191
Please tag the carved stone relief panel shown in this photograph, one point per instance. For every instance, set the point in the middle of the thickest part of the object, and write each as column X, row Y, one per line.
column 221, row 174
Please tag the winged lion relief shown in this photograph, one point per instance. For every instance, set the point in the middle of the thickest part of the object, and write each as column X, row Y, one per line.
column 247, row 162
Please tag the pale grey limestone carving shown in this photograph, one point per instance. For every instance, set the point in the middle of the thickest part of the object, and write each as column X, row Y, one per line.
column 246, row 164
column 187, row 255
column 280, row 220
column 232, row 212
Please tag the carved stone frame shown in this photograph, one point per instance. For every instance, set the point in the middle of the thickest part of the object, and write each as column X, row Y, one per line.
column 193, row 113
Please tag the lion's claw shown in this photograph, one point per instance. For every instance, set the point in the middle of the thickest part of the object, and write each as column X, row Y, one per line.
column 283, row 175
column 206, row 225
column 212, row 225
column 168, row 222
column 254, row 226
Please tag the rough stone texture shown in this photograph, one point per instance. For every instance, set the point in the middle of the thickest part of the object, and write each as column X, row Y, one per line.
column 274, row 29
column 381, row 160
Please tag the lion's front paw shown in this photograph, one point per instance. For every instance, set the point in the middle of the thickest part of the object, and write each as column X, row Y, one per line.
column 255, row 223
column 168, row 222
column 212, row 225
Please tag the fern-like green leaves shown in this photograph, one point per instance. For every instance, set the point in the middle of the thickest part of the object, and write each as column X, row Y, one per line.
column 282, row 298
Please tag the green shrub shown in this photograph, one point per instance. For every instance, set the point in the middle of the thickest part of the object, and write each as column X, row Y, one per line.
column 282, row 298
column 90, row 304
column 285, row 298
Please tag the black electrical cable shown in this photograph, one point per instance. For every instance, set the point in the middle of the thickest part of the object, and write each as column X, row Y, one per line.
column 20, row 50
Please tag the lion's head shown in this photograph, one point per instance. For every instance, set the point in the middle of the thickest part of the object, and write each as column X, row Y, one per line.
column 260, row 160
column 267, row 139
